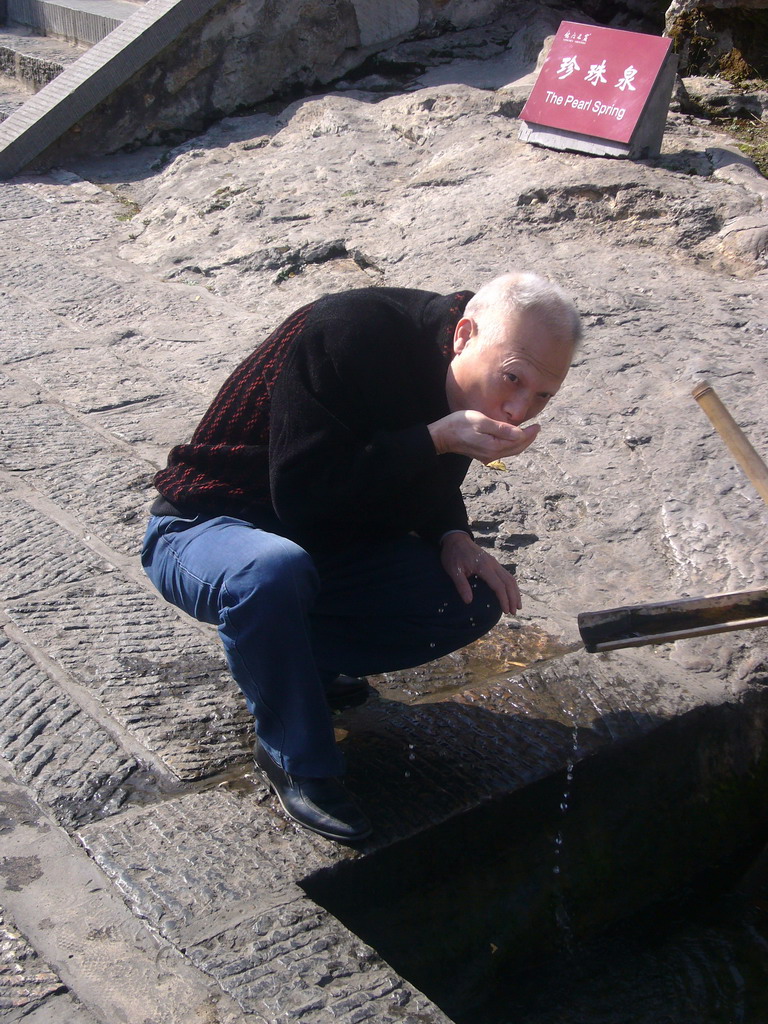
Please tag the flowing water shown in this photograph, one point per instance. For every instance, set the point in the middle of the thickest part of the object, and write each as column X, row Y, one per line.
column 561, row 908
column 507, row 649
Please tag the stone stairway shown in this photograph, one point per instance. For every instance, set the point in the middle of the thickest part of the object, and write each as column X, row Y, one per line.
column 40, row 38
column 34, row 126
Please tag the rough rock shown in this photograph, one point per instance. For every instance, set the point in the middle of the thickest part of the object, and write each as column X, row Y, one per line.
column 716, row 97
column 678, row 7
column 726, row 36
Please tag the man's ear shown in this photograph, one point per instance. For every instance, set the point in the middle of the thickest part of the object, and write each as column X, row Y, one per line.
column 465, row 328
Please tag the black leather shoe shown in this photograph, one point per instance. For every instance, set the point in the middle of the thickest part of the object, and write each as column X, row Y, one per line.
column 321, row 805
column 347, row 692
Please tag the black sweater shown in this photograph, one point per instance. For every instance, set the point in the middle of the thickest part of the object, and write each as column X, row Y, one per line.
column 325, row 424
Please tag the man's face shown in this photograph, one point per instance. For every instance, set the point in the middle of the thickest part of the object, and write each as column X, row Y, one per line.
column 510, row 380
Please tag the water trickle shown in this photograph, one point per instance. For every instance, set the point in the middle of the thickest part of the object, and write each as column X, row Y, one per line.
column 562, row 916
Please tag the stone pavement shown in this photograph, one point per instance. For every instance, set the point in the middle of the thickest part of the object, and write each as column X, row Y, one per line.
column 145, row 874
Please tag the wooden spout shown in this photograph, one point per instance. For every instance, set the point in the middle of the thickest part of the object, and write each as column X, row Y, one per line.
column 732, row 434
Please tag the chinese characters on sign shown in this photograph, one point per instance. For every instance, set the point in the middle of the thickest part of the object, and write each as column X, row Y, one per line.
column 596, row 81
column 596, row 73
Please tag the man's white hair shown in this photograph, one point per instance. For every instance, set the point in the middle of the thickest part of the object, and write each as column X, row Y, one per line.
column 500, row 300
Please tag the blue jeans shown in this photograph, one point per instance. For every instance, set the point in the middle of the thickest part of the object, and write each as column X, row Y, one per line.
column 290, row 622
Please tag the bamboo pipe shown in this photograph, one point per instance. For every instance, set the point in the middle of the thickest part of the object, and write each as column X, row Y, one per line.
column 734, row 437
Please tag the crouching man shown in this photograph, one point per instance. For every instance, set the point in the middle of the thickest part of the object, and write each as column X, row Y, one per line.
column 316, row 515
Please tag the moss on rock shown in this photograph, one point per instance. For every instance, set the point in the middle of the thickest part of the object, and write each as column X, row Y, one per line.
column 731, row 43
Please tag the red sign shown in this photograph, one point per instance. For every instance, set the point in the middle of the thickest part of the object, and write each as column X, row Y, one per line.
column 596, row 81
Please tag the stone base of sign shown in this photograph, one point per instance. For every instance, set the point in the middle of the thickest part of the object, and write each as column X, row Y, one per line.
column 557, row 138
column 646, row 139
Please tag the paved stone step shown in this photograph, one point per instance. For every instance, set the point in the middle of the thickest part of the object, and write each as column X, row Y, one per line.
column 242, row 919
column 106, row 489
column 82, row 933
column 190, row 718
column 67, row 760
column 157, row 677
column 82, row 21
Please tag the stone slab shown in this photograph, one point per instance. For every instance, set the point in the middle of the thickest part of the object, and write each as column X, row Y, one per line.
column 119, row 393
column 41, row 436
column 519, row 760
column 443, row 757
column 413, row 766
column 68, row 912
column 154, row 425
column 37, row 554
column 67, row 600
column 333, row 975
column 242, row 919
column 107, row 489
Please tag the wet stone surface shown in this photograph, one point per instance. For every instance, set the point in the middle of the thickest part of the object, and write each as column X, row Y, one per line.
column 443, row 757
column 25, row 981
column 505, row 651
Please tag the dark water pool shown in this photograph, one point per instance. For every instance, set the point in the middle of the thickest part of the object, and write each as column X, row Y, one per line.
column 701, row 960
column 533, row 907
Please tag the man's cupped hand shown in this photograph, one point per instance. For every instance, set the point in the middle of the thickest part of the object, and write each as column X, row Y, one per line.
column 474, row 434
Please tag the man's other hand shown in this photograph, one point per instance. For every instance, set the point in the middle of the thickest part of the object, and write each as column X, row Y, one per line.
column 471, row 433
column 462, row 559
